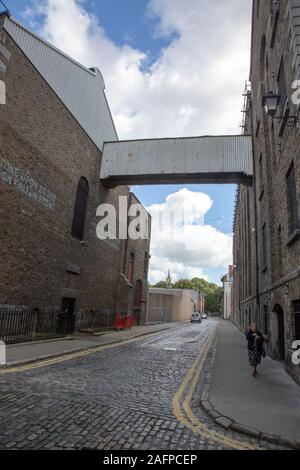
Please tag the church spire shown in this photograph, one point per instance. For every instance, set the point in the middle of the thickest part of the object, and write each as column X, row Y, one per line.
column 169, row 280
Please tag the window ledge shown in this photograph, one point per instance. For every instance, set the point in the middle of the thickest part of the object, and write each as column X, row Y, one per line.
column 293, row 238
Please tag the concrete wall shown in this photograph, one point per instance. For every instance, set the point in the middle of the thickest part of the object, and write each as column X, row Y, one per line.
column 169, row 305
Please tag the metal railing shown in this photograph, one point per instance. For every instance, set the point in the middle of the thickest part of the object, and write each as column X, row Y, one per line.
column 95, row 322
column 20, row 324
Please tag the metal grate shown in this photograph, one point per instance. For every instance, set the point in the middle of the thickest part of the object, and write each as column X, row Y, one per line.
column 20, row 324
column 95, row 322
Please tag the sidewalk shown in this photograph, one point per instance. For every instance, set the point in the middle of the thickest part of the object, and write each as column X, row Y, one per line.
column 29, row 352
column 269, row 404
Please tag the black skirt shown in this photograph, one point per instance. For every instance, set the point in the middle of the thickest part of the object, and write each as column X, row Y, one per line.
column 254, row 358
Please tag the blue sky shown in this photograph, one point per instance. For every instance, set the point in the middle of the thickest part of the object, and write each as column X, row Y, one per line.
column 163, row 79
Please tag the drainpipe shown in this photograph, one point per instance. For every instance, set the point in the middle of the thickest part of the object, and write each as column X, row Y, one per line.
column 255, row 212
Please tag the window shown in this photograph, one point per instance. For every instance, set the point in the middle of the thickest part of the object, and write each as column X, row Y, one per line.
column 279, row 251
column 138, row 295
column 282, row 88
column 297, row 318
column 266, row 320
column 131, row 268
column 146, row 263
column 292, row 199
column 80, row 209
column 262, row 64
column 257, row 129
column 264, row 247
column 274, row 11
column 261, row 176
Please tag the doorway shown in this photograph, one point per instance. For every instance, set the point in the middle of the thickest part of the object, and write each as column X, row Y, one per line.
column 280, row 331
column 66, row 319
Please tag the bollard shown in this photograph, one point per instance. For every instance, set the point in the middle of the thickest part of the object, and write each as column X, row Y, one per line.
column 2, row 353
column 2, row 92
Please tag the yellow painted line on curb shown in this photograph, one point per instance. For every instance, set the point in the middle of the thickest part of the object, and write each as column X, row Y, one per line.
column 183, row 412
column 76, row 355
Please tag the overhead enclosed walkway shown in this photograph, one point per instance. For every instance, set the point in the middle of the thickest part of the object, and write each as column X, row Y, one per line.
column 209, row 159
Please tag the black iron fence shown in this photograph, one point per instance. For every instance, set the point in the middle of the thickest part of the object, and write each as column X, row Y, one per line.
column 20, row 324
column 95, row 322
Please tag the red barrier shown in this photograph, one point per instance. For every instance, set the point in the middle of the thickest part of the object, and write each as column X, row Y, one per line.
column 123, row 322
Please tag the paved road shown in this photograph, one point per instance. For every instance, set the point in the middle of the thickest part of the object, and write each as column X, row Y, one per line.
column 139, row 395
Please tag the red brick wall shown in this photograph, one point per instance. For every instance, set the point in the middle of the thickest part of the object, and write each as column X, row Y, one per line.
column 39, row 136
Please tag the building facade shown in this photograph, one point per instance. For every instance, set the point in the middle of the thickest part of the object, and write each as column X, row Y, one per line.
column 226, row 300
column 52, row 129
column 267, row 222
column 198, row 299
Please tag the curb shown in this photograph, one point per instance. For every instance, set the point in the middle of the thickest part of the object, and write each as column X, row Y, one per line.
column 42, row 341
column 230, row 424
column 10, row 365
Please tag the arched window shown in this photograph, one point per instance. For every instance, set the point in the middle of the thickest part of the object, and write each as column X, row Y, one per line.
column 80, row 209
column 138, row 295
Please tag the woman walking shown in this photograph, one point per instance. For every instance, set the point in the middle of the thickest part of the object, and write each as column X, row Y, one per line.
column 255, row 347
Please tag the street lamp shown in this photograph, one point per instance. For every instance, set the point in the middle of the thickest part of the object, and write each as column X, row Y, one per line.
column 271, row 102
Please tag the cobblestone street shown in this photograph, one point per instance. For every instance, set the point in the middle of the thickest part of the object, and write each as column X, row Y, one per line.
column 119, row 398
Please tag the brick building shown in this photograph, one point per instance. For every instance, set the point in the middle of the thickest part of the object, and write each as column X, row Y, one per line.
column 226, row 299
column 267, row 224
column 52, row 130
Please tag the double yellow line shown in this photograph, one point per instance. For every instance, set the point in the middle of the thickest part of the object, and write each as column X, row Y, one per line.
column 181, row 400
column 182, row 404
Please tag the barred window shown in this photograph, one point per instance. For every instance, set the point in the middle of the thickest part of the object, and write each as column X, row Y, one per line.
column 131, row 268
column 80, row 209
column 292, row 199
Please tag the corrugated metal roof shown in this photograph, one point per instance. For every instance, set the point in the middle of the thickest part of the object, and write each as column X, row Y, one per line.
column 80, row 89
column 211, row 158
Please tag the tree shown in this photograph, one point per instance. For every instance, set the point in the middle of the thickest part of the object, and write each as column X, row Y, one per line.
column 161, row 285
column 211, row 291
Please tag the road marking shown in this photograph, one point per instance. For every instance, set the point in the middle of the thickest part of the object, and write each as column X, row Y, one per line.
column 69, row 357
column 182, row 409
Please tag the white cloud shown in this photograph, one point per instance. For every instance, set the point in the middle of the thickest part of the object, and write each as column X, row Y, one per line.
column 195, row 85
column 190, row 246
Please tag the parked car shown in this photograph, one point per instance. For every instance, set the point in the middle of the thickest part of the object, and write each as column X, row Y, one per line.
column 196, row 318
column 204, row 316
